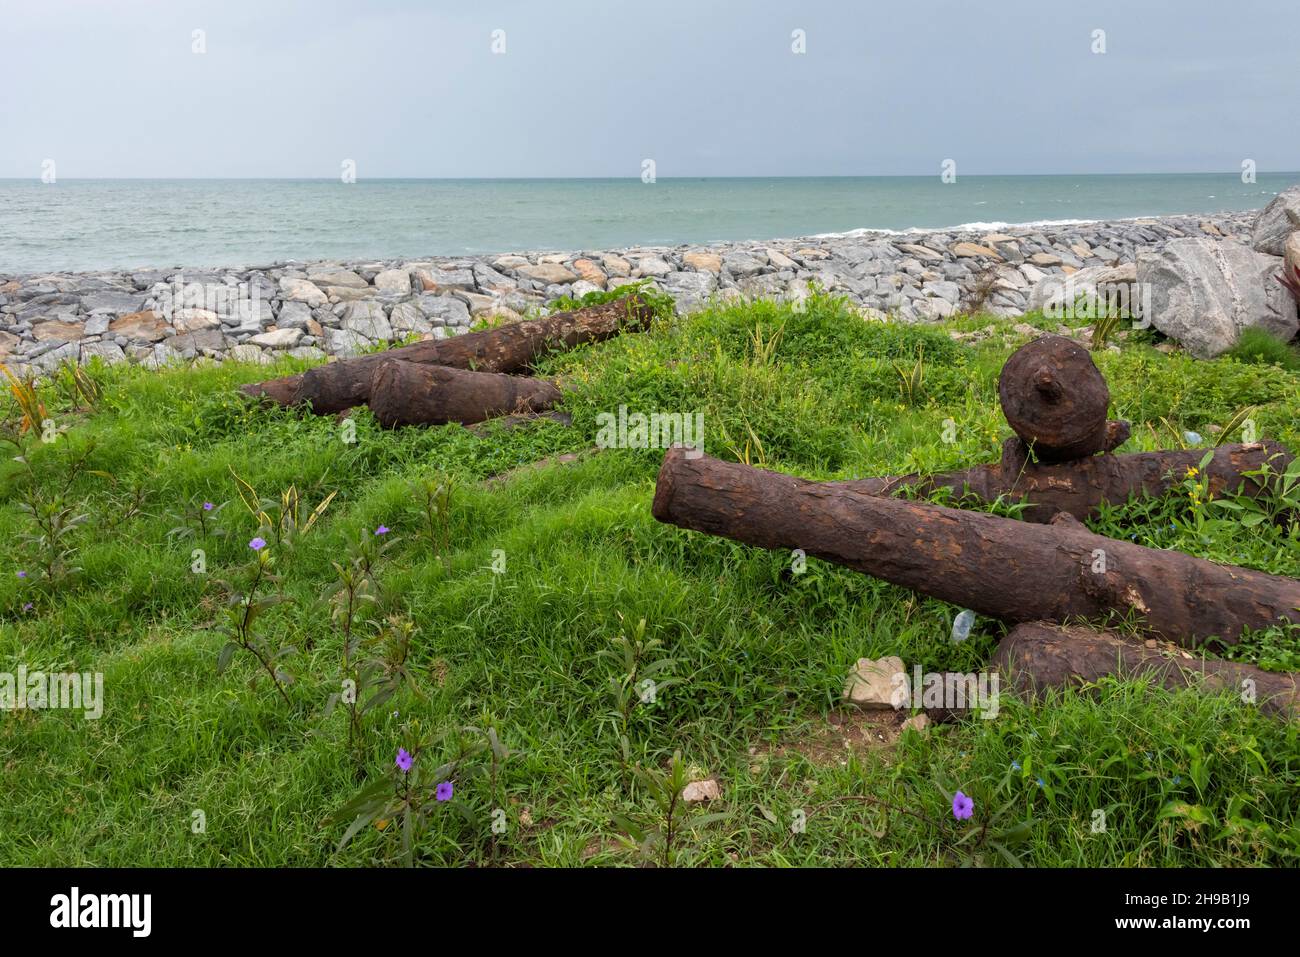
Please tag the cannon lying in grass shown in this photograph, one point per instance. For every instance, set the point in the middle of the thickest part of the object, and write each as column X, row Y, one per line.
column 513, row 347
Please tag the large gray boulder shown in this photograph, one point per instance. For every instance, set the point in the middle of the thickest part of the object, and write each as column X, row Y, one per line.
column 1276, row 222
column 1203, row 292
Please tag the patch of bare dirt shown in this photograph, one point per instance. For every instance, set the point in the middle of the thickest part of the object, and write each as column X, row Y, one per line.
column 832, row 739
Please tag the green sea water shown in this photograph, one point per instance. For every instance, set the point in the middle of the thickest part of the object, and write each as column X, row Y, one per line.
column 102, row 224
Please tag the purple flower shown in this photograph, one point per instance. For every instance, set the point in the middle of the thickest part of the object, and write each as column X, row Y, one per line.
column 382, row 530
column 207, row 506
column 27, row 607
column 962, row 806
column 257, row 544
column 22, row 574
column 403, row 760
column 444, row 791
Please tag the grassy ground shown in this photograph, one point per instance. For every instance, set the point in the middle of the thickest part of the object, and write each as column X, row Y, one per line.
column 504, row 652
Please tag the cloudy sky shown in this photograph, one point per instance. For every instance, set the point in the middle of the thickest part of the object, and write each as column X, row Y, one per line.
column 291, row 88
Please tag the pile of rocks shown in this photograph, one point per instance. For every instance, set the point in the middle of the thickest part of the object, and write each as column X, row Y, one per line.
column 314, row 311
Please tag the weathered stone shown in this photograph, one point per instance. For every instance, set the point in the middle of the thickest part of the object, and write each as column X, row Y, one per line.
column 696, row 792
column 307, row 352
column 53, row 358
column 689, row 289
column 1278, row 220
column 703, row 261
column 336, row 277
column 917, row 722
column 407, row 317
column 488, row 278
column 293, row 315
column 549, row 273
column 588, row 271
column 192, row 320
column 144, row 326
column 1053, row 294
column 479, row 303
column 932, row 309
column 339, row 294
column 1032, row 274
column 445, row 280
column 120, row 303
column 205, row 341
column 877, row 683
column 743, row 264
column 652, row 267
column 110, row 353
column 760, row 287
column 974, row 250
column 367, row 317
column 944, row 290
column 248, row 315
column 245, row 352
column 922, row 253
column 616, row 266
column 302, row 291
column 780, row 260
column 57, row 331
column 347, row 342
column 285, row 338
column 444, row 310
column 1205, row 291
column 393, row 282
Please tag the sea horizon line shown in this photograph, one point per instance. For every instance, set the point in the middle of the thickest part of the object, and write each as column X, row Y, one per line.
column 1235, row 174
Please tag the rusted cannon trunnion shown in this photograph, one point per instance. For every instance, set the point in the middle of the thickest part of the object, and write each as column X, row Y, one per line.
column 512, row 347
column 1055, row 399
column 406, row 393
column 1081, row 486
column 1007, row 569
column 1036, row 656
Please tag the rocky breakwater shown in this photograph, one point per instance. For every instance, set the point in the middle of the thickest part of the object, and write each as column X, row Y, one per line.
column 313, row 311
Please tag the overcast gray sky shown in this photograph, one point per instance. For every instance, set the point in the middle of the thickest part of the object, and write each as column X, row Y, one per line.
column 593, row 87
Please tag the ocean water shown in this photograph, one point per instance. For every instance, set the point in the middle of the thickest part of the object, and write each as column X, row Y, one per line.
column 103, row 224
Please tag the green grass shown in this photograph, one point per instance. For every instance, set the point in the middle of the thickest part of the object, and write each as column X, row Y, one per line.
column 759, row 654
column 1262, row 347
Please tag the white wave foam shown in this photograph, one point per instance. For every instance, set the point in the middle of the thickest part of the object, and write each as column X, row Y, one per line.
column 965, row 227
